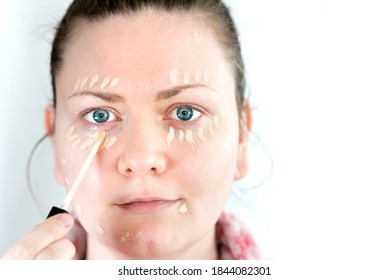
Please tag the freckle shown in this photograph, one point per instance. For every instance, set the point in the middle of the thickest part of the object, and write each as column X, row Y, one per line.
column 77, row 85
column 211, row 130
column 99, row 229
column 112, row 141
column 69, row 132
column 114, row 83
column 77, row 209
column 189, row 136
column 186, row 77
column 83, row 82
column 94, row 81
column 181, row 136
column 173, row 76
column 183, row 209
column 206, row 76
column 105, row 82
column 197, row 75
column 216, row 121
column 200, row 134
column 170, row 136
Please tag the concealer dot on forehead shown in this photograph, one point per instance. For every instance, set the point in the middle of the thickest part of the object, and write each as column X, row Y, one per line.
column 82, row 83
column 173, row 76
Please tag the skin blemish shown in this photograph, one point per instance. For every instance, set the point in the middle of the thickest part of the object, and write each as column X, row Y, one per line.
column 105, row 82
column 200, row 134
column 186, row 77
column 170, row 136
column 181, row 136
column 77, row 84
column 173, row 76
column 94, row 81
column 99, row 229
column 83, row 82
column 183, row 209
column 189, row 136
column 114, row 83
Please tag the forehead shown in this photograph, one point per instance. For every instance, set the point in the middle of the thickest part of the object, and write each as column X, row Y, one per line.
column 142, row 46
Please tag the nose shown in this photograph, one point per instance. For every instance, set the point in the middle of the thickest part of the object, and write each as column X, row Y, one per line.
column 142, row 151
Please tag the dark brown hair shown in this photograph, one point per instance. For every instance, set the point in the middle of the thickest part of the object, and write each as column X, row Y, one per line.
column 214, row 12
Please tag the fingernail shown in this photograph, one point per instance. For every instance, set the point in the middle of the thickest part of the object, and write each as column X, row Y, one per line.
column 64, row 220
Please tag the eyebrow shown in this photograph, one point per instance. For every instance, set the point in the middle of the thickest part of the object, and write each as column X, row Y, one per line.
column 106, row 96
column 169, row 93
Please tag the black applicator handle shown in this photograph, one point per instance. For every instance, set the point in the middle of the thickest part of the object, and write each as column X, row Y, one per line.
column 56, row 210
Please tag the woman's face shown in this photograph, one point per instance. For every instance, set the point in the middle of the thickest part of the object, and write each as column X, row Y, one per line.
column 160, row 86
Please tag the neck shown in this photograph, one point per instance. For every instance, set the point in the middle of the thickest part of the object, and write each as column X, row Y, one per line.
column 204, row 249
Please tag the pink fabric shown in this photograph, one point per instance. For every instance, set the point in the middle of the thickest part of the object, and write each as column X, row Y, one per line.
column 234, row 240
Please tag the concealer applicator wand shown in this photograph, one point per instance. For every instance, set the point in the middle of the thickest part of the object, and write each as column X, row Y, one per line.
column 96, row 146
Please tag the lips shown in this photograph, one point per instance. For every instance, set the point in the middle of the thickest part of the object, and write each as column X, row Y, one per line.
column 147, row 205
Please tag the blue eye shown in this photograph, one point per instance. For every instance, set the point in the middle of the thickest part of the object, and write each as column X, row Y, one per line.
column 100, row 116
column 185, row 114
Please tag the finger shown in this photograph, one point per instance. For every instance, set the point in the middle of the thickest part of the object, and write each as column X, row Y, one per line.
column 51, row 230
column 61, row 249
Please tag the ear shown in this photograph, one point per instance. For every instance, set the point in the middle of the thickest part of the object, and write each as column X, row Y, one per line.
column 244, row 129
column 50, row 128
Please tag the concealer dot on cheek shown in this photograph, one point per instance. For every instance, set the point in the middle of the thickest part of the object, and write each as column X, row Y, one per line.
column 99, row 229
column 200, row 134
column 183, row 209
column 181, row 136
column 189, row 136
column 170, row 136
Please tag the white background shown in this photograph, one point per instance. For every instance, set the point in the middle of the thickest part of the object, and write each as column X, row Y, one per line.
column 318, row 72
